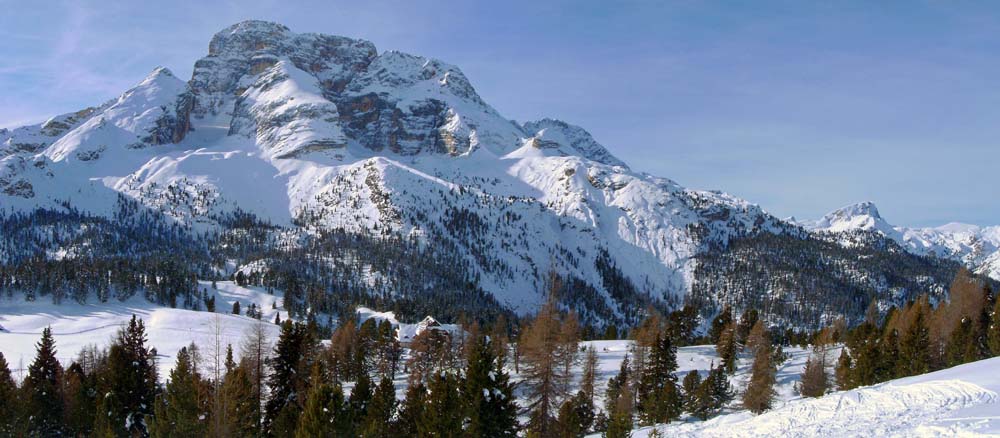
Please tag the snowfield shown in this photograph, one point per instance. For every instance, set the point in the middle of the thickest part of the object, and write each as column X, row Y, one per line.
column 75, row 326
column 959, row 401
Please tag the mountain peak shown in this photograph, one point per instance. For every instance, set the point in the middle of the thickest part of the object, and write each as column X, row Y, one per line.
column 247, row 34
column 860, row 216
column 866, row 208
column 569, row 139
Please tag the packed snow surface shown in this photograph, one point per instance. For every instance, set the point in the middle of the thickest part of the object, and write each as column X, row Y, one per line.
column 960, row 401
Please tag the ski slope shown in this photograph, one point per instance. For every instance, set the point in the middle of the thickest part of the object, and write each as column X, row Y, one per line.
column 959, row 401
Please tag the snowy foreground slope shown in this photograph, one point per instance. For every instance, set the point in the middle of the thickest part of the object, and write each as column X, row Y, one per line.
column 959, row 401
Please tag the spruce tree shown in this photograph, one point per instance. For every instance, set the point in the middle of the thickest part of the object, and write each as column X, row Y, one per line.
column 617, row 385
column 287, row 378
column 325, row 413
column 411, row 410
column 182, row 408
column 380, row 411
column 8, row 400
column 891, row 366
column 659, row 397
column 576, row 416
column 993, row 332
column 620, row 415
column 443, row 409
column 487, row 393
column 242, row 411
column 361, row 397
column 44, row 389
column 131, row 381
column 691, row 383
column 80, row 389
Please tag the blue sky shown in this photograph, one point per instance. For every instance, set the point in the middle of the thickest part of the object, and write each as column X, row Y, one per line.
column 799, row 106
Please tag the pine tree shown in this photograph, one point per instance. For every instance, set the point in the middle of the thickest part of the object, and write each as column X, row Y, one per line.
column 361, row 397
column 719, row 323
column 442, row 416
column 760, row 391
column 814, row 378
column 726, row 348
column 44, row 388
column 843, row 372
column 182, row 408
column 487, row 393
column 915, row 346
column 380, row 411
column 748, row 320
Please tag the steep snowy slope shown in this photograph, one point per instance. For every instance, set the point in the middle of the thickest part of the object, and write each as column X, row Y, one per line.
column 974, row 246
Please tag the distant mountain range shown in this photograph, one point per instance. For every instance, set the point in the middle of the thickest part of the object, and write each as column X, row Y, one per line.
column 976, row 247
column 314, row 132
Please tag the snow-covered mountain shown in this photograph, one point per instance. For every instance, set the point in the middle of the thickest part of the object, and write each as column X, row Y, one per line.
column 975, row 246
column 315, row 132
column 292, row 126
